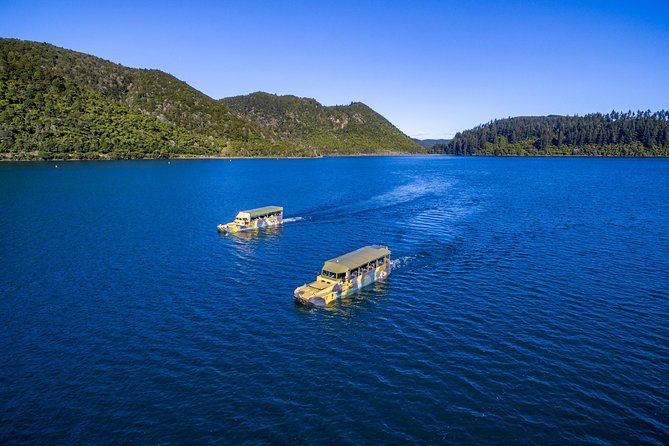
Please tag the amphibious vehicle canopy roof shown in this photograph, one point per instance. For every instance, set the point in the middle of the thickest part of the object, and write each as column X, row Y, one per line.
column 262, row 211
column 356, row 258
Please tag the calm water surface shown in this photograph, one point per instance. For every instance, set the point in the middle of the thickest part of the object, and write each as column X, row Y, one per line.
column 529, row 304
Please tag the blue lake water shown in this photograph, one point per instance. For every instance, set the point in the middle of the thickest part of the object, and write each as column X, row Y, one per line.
column 529, row 303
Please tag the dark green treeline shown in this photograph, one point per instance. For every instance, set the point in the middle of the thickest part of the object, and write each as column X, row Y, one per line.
column 612, row 134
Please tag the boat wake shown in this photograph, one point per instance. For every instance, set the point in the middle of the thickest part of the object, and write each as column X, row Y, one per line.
column 402, row 262
column 292, row 219
column 399, row 195
column 407, row 192
column 422, row 260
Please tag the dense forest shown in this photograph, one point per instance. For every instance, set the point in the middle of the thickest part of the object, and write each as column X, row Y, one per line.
column 60, row 104
column 613, row 134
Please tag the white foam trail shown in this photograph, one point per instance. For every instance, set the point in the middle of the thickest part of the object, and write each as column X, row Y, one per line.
column 292, row 219
column 401, row 261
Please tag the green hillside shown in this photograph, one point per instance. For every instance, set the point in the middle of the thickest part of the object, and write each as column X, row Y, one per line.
column 56, row 103
column 309, row 125
column 61, row 104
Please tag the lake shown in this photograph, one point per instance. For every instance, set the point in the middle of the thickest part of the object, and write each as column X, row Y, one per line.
column 529, row 303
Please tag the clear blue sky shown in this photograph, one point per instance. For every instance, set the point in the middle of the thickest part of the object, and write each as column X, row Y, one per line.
column 432, row 68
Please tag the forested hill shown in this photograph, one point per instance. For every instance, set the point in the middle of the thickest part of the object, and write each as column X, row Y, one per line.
column 613, row 134
column 307, row 124
column 429, row 143
column 61, row 104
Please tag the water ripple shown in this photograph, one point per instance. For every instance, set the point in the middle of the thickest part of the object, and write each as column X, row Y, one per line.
column 528, row 303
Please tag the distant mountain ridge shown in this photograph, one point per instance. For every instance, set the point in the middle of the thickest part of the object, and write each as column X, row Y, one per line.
column 61, row 104
column 429, row 143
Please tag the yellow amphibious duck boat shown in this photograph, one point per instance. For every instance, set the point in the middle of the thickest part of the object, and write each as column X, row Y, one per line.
column 254, row 219
column 345, row 274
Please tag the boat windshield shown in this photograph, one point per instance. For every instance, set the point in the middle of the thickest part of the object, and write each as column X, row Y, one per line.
column 332, row 275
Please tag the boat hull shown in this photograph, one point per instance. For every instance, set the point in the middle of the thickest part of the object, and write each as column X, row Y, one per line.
column 232, row 227
column 321, row 296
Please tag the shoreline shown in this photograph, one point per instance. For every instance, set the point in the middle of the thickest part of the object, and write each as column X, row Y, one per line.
column 218, row 157
column 358, row 155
